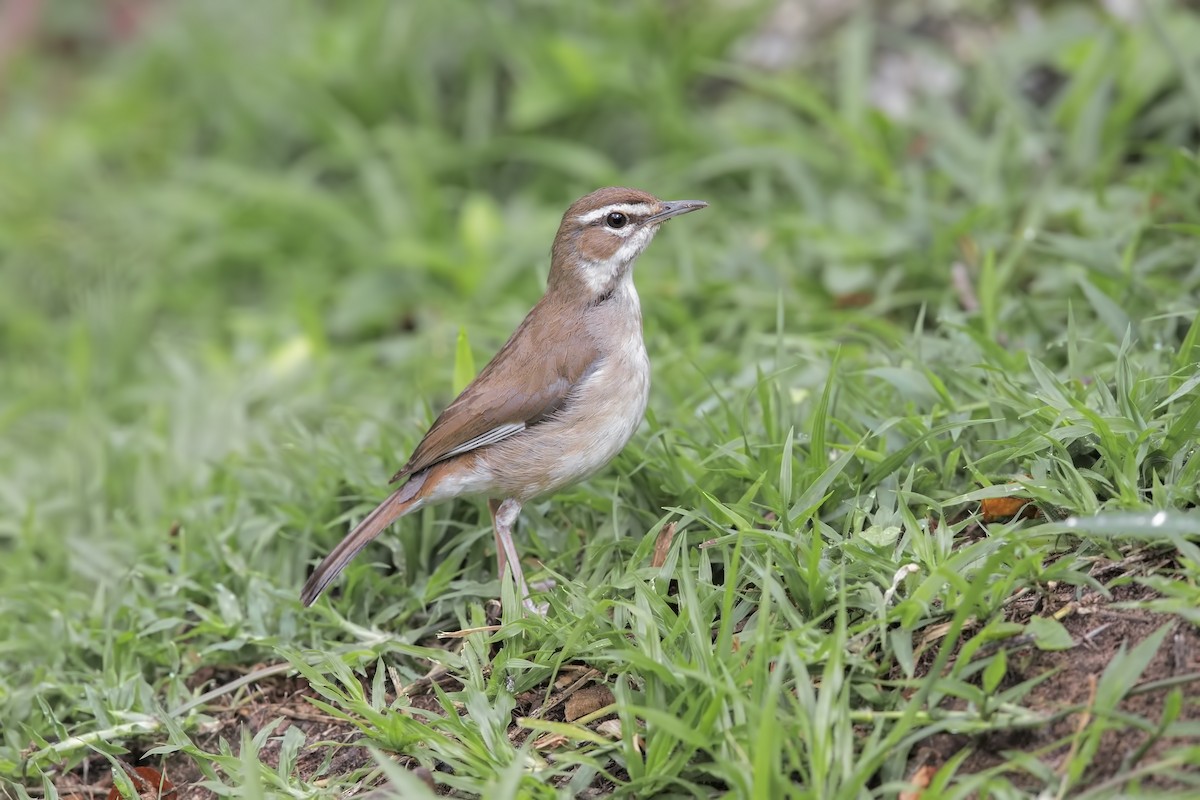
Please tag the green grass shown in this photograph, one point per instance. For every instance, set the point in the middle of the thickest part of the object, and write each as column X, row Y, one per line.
column 237, row 253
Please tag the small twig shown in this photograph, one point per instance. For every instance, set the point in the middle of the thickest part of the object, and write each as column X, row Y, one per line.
column 988, row 648
column 1015, row 596
column 465, row 632
column 307, row 716
column 1080, row 726
column 1092, row 634
column 434, row 675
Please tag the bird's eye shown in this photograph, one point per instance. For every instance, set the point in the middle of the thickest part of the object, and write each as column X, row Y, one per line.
column 616, row 220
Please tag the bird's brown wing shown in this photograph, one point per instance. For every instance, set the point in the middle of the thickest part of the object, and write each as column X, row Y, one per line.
column 528, row 380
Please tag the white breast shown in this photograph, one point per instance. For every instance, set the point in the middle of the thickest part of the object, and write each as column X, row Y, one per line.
column 609, row 409
column 595, row 423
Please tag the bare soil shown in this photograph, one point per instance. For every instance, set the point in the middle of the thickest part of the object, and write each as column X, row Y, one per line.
column 331, row 745
column 1100, row 627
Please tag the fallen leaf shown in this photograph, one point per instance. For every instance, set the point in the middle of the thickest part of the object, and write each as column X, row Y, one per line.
column 920, row 782
column 551, row 741
column 571, row 673
column 149, row 783
column 1004, row 509
column 587, row 701
column 613, row 730
column 662, row 545
column 610, row 728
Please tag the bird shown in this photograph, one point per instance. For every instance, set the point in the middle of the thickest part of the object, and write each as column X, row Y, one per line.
column 555, row 404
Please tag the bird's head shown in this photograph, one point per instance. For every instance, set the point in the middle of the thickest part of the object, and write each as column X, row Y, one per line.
column 602, row 234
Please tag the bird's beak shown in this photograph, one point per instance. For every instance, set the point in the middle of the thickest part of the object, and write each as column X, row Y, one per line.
column 673, row 208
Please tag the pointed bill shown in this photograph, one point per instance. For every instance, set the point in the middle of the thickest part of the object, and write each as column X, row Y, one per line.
column 673, row 208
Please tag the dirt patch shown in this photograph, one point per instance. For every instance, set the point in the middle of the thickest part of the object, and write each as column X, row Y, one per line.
column 1100, row 627
column 330, row 745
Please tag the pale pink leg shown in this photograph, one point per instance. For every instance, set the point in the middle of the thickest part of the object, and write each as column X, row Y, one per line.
column 504, row 516
column 501, row 557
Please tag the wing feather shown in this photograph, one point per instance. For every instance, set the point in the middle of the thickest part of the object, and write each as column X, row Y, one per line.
column 488, row 437
column 528, row 380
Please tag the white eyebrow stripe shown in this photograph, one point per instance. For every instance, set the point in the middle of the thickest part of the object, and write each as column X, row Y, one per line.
column 633, row 209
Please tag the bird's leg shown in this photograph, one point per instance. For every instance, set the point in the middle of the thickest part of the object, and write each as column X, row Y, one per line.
column 504, row 516
column 503, row 519
column 501, row 558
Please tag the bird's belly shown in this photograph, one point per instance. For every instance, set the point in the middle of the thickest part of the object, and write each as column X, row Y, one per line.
column 585, row 435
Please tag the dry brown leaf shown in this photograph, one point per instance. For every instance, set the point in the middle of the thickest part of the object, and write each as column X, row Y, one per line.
column 662, row 544
column 613, row 730
column 571, row 673
column 588, row 700
column 935, row 632
column 550, row 741
column 610, row 728
column 149, row 783
column 920, row 782
column 1004, row 509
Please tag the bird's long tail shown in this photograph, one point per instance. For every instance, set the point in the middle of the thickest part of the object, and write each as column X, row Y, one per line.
column 405, row 499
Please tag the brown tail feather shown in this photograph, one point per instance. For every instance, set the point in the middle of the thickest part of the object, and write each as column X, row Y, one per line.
column 400, row 502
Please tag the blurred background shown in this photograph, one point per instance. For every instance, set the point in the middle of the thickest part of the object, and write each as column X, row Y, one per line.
column 244, row 245
column 225, row 186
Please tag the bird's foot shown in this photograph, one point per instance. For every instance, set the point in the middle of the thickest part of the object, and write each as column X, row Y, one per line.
column 540, row 609
column 494, row 610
